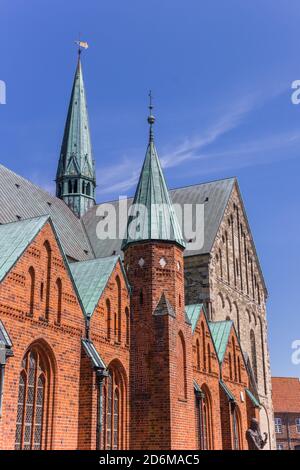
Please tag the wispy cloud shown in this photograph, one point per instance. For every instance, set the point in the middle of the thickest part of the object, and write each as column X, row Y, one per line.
column 118, row 178
column 223, row 124
column 263, row 151
column 124, row 175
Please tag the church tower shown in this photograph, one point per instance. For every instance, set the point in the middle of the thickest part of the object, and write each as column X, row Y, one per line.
column 75, row 177
column 161, row 383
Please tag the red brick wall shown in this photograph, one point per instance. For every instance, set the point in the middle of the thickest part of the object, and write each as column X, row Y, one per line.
column 114, row 353
column 208, row 378
column 237, row 386
column 289, row 437
column 62, row 342
column 161, row 417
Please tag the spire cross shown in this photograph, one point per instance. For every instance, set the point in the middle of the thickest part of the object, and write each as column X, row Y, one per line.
column 151, row 118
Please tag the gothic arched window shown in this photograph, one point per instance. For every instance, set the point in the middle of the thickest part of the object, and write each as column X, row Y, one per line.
column 118, row 318
column 59, row 300
column 181, row 367
column 204, row 423
column 75, row 186
column 198, row 353
column 33, row 401
column 203, row 345
column 230, row 366
column 88, row 189
column 127, row 325
column 108, row 319
column 236, row 428
column 253, row 353
column 114, row 410
column 70, row 187
column 31, row 290
column 48, row 278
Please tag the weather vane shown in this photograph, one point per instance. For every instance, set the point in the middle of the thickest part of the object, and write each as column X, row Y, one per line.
column 81, row 45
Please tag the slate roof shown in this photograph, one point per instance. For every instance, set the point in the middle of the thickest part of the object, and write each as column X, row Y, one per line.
column 213, row 195
column 90, row 278
column 15, row 237
column 21, row 199
column 193, row 313
column 220, row 332
column 286, row 394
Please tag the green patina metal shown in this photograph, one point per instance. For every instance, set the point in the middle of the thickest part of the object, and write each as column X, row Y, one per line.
column 90, row 278
column 253, row 398
column 227, row 392
column 15, row 237
column 193, row 313
column 220, row 332
column 153, row 216
column 75, row 178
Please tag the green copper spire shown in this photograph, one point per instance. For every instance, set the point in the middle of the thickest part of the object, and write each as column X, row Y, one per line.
column 153, row 216
column 75, row 178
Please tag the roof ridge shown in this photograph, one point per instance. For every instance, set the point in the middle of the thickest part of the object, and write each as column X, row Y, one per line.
column 95, row 260
column 234, row 178
column 25, row 220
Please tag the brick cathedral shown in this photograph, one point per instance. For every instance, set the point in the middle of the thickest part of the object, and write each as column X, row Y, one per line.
column 140, row 343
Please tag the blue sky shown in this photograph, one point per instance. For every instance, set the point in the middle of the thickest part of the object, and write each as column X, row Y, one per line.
column 221, row 75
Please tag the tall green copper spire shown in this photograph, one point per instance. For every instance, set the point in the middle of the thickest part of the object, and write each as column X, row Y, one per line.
column 75, row 178
column 153, row 216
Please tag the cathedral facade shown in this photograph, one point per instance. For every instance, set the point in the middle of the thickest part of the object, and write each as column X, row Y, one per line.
column 132, row 343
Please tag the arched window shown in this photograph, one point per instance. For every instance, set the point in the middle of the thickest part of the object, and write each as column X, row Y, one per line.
column 204, row 420
column 59, row 300
column 239, row 370
column 253, row 353
column 119, row 314
column 230, row 366
column 88, row 189
column 114, row 410
column 209, row 357
column 75, row 186
column 127, row 325
column 203, row 345
column 221, row 263
column 236, row 428
column 237, row 316
column 227, row 257
column 70, row 187
column 141, row 297
column 234, row 360
column 83, row 187
column 198, row 354
column 33, row 412
column 263, row 353
column 108, row 319
column 31, row 290
column 48, row 277
column 181, row 367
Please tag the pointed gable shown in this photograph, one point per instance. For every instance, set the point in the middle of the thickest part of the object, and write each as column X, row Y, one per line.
column 15, row 237
column 91, row 278
column 156, row 216
column 193, row 313
column 220, row 332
